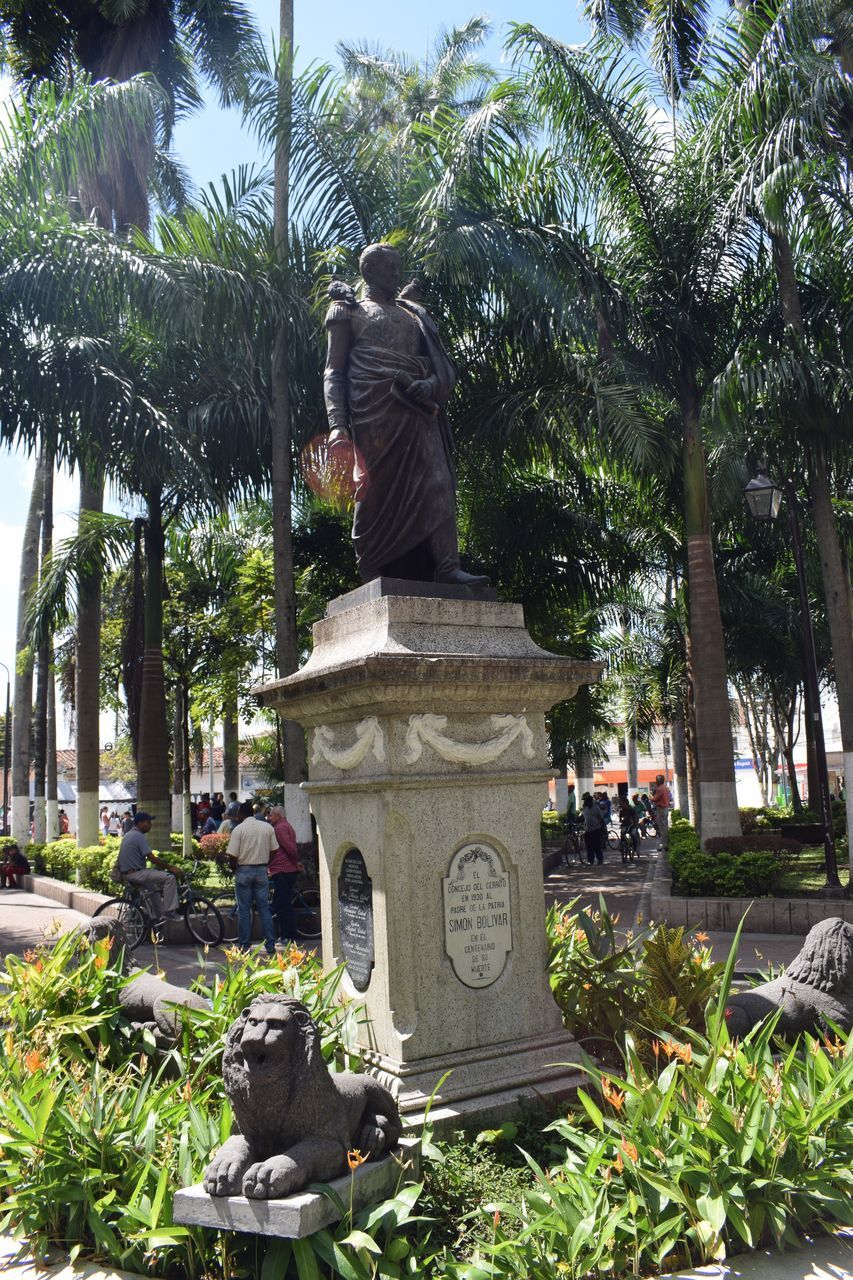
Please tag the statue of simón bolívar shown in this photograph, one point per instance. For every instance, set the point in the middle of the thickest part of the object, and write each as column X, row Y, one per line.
column 386, row 383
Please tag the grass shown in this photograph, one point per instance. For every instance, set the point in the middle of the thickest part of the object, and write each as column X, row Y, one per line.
column 808, row 873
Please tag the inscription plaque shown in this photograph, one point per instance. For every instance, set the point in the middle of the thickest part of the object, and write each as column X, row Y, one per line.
column 477, row 915
column 355, row 919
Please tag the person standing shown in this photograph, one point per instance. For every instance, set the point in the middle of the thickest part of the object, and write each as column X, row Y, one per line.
column 571, row 803
column 283, row 869
column 661, row 802
column 133, row 855
column 251, row 845
column 594, row 828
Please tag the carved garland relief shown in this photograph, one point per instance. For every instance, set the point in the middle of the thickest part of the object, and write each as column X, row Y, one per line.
column 423, row 730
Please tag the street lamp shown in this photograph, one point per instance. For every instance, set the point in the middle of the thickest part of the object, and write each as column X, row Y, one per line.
column 763, row 499
column 7, row 726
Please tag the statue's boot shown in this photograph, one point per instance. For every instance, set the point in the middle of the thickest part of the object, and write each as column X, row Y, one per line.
column 444, row 548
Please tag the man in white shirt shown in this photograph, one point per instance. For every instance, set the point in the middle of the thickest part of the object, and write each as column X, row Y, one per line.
column 251, row 844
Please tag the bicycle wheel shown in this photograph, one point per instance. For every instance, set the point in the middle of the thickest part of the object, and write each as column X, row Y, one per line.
column 624, row 849
column 612, row 839
column 128, row 916
column 204, row 921
column 306, row 906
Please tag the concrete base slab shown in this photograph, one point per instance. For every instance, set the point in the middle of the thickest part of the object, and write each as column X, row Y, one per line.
column 447, row 1118
column 483, row 1079
column 823, row 1258
column 294, row 1217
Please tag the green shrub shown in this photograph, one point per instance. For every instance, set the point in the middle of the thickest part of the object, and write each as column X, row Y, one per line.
column 98, row 1131
column 717, row 1148
column 727, row 874
column 176, row 841
column 7, row 842
column 606, row 984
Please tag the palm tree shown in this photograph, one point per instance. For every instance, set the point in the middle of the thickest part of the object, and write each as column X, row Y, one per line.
column 629, row 275
column 170, row 41
column 390, row 91
column 781, row 122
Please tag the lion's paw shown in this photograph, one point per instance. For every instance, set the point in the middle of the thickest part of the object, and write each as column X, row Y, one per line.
column 224, row 1175
column 272, row 1178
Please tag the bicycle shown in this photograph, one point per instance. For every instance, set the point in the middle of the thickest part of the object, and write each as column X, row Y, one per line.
column 134, row 911
column 574, row 843
column 306, row 908
column 629, row 844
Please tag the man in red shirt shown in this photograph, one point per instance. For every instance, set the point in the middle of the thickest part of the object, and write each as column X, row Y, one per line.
column 661, row 801
column 284, row 867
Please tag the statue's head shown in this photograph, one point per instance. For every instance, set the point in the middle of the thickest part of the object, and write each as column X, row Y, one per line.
column 380, row 265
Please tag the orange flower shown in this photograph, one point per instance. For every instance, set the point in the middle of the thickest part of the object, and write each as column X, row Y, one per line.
column 700, row 936
column 684, row 1053
column 496, row 1219
column 668, row 1047
column 295, row 956
column 354, row 1159
column 630, row 1150
column 34, row 1061
column 833, row 1048
column 100, row 962
column 614, row 1096
column 619, row 1163
column 656, row 1047
column 30, row 955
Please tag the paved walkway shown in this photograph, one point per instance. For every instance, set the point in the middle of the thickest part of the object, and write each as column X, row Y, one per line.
column 626, row 888
column 27, row 919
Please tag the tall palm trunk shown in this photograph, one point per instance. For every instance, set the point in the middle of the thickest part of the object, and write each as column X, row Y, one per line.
column 836, row 581
column 23, row 708
column 45, row 673
column 839, row 608
column 152, row 760
column 287, row 657
column 717, row 793
column 87, row 692
column 231, row 743
column 51, row 785
column 177, row 761
column 679, row 764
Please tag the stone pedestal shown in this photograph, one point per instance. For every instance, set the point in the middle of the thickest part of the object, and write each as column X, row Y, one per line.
column 428, row 773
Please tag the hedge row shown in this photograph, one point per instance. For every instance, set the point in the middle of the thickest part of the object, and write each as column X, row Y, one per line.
column 729, row 873
column 89, row 866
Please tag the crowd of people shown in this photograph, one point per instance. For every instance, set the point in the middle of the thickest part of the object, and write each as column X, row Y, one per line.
column 634, row 812
column 262, row 851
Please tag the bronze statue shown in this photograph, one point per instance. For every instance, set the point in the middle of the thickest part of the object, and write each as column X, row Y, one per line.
column 386, row 383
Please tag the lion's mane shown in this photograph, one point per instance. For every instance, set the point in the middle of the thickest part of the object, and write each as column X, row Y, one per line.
column 826, row 960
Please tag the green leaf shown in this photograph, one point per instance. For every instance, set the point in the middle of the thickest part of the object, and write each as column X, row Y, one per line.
column 361, row 1240
column 306, row 1261
column 592, row 1110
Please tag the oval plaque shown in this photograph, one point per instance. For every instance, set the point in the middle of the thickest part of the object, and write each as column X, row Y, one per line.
column 355, row 919
column 477, row 915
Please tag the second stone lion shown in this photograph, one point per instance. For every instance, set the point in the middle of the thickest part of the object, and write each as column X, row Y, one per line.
column 294, row 1121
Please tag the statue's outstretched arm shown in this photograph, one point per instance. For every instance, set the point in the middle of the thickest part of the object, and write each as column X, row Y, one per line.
column 335, row 389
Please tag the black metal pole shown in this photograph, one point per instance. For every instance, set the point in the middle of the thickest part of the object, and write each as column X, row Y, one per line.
column 6, row 729
column 813, row 692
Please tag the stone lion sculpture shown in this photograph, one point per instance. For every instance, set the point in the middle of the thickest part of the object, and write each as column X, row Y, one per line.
column 816, row 989
column 294, row 1121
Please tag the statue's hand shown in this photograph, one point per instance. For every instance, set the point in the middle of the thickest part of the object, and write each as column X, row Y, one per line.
column 420, row 390
column 339, row 441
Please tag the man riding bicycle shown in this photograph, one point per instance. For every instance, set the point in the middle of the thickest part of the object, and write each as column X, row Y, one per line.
column 134, row 852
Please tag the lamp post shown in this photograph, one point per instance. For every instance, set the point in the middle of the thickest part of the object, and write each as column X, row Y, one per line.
column 6, row 728
column 763, row 499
